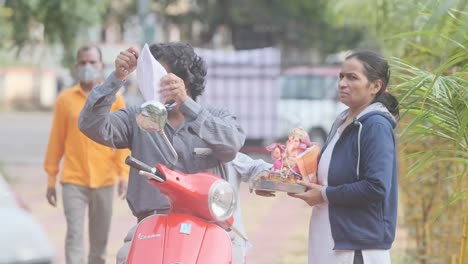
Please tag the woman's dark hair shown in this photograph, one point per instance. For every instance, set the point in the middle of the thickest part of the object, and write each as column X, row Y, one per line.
column 183, row 62
column 376, row 68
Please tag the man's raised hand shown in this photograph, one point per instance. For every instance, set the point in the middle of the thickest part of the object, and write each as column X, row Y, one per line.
column 126, row 63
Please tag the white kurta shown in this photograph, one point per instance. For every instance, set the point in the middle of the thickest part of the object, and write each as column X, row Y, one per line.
column 320, row 238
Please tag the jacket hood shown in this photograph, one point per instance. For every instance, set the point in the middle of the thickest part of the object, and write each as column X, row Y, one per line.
column 377, row 109
column 370, row 110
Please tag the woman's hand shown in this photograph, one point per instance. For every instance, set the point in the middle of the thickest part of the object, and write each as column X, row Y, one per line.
column 126, row 63
column 313, row 194
column 173, row 89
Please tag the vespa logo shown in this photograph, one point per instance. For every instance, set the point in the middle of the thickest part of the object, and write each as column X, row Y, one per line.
column 150, row 236
column 185, row 229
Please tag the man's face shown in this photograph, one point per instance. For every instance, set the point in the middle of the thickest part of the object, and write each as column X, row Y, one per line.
column 90, row 57
column 89, row 66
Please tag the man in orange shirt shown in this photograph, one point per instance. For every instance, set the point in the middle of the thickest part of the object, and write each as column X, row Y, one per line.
column 90, row 170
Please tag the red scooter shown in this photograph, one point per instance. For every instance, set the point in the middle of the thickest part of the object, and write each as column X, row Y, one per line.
column 202, row 205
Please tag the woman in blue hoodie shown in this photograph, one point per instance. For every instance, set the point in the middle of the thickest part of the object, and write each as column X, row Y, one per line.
column 355, row 199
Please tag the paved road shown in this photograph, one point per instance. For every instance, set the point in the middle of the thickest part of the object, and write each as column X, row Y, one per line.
column 23, row 137
column 270, row 222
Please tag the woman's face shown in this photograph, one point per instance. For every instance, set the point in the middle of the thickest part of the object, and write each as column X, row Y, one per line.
column 355, row 90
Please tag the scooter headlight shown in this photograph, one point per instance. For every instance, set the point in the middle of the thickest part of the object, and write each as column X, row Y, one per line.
column 221, row 200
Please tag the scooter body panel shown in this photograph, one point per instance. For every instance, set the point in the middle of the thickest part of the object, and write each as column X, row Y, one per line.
column 179, row 238
column 188, row 193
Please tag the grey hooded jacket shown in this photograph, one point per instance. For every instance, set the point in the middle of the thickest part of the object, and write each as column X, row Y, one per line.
column 213, row 130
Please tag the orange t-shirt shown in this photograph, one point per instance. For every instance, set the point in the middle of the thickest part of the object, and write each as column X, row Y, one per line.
column 85, row 162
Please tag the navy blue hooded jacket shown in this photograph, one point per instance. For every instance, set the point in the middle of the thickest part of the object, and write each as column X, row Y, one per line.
column 362, row 189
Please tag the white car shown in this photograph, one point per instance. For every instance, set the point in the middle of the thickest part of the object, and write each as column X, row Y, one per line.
column 22, row 239
column 309, row 100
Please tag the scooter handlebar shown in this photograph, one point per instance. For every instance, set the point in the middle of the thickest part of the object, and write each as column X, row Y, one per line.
column 139, row 165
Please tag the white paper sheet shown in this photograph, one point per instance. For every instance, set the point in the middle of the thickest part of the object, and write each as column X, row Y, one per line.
column 149, row 73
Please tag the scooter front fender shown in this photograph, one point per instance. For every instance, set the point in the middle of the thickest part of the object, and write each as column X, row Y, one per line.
column 179, row 238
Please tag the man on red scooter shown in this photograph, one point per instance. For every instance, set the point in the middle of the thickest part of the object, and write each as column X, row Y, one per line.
column 190, row 125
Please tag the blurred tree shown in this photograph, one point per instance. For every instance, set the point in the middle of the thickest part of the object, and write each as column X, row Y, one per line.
column 16, row 18
column 117, row 12
column 408, row 29
column 64, row 20
column 262, row 23
column 54, row 21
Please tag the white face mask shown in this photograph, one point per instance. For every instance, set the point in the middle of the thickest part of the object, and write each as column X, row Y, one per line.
column 88, row 74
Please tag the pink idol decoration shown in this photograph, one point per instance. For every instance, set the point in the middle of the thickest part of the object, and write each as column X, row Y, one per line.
column 296, row 160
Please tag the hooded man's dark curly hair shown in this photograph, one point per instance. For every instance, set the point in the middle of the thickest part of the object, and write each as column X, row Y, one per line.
column 184, row 63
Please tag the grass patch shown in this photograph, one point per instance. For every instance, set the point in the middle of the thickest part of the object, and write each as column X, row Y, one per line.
column 399, row 256
column 296, row 252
